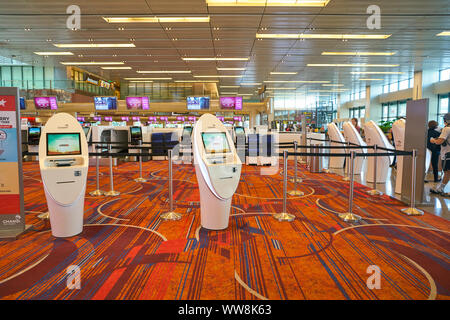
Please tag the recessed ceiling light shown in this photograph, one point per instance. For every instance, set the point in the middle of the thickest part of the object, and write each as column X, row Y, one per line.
column 155, row 19
column 54, row 53
column 268, row 3
column 88, row 63
column 94, row 45
column 321, row 36
column 147, row 78
column 367, row 79
column 326, row 53
column 232, row 93
column 281, row 73
column 250, row 84
column 197, row 81
column 140, row 81
column 281, row 88
column 164, row 71
column 352, row 65
column 116, row 68
column 231, row 69
column 332, row 85
column 296, row 81
column 443, row 34
column 215, row 59
column 376, row 72
column 230, row 87
column 218, row 76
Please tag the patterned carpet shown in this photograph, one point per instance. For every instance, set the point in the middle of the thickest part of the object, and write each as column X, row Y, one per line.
column 127, row 252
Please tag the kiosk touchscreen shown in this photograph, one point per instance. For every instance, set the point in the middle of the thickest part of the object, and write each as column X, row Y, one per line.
column 34, row 134
column 336, row 135
column 63, row 161
column 353, row 136
column 135, row 135
column 218, row 170
column 374, row 136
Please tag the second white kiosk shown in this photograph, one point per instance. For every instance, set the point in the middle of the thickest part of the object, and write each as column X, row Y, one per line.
column 218, row 170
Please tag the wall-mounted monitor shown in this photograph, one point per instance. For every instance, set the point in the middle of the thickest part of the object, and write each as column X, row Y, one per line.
column 180, row 118
column 231, row 103
column 192, row 118
column 237, row 118
column 152, row 119
column 135, row 133
column 215, row 142
column 63, row 144
column 105, row 103
column 23, row 106
column 97, row 118
column 197, row 103
column 137, row 103
column 221, row 118
column 108, row 119
column 46, row 103
column 239, row 130
column 164, row 118
column 125, row 118
column 81, row 119
column 136, row 118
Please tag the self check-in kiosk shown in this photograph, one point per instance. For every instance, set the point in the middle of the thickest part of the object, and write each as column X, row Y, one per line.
column 374, row 136
column 240, row 140
column 63, row 161
column 135, row 135
column 186, row 144
column 352, row 136
column 336, row 135
column 218, row 170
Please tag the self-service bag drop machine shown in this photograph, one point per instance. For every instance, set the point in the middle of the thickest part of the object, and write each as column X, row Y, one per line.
column 218, row 170
column 64, row 161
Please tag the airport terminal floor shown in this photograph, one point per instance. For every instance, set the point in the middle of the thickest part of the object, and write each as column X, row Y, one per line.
column 127, row 252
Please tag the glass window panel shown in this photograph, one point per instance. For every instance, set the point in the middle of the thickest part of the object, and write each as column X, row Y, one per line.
column 362, row 112
column 393, row 87
column 392, row 110
column 444, row 75
column 385, row 111
column 402, row 109
column 404, row 84
column 443, row 104
column 386, row 88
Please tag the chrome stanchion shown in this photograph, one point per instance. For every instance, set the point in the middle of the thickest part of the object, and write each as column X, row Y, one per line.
column 111, row 193
column 140, row 179
column 97, row 192
column 374, row 191
column 295, row 192
column 284, row 216
column 327, row 170
column 349, row 216
column 347, row 176
column 171, row 214
column 412, row 210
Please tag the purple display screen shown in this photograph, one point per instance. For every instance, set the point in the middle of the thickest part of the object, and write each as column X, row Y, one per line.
column 237, row 118
column 97, row 118
column 46, row 103
column 136, row 119
column 108, row 118
column 192, row 118
column 163, row 118
column 152, row 118
column 180, row 118
column 125, row 118
column 138, row 103
column 231, row 103
column 221, row 118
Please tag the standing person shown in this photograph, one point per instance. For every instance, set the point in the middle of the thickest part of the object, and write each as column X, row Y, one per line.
column 355, row 124
column 434, row 148
column 444, row 142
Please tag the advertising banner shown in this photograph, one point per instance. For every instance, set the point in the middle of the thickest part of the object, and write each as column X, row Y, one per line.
column 12, row 217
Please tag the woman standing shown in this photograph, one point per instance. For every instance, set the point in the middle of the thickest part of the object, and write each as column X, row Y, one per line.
column 355, row 124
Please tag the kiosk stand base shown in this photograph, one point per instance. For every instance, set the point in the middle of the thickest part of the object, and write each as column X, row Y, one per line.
column 140, row 180
column 44, row 216
column 412, row 212
column 349, row 217
column 171, row 215
column 112, row 193
column 374, row 192
column 96, row 193
column 284, row 216
column 296, row 193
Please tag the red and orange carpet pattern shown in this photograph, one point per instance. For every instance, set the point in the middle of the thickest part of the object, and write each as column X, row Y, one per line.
column 127, row 252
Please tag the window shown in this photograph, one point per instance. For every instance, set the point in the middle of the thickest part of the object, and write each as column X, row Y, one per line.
column 443, row 104
column 398, row 85
column 444, row 75
column 403, row 85
column 358, row 112
column 393, row 110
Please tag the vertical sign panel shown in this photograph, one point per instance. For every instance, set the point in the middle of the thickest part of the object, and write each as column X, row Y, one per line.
column 12, row 217
column 415, row 138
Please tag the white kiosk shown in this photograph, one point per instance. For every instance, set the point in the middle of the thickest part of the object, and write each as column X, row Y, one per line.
column 336, row 135
column 398, row 132
column 218, row 170
column 353, row 136
column 374, row 136
column 64, row 160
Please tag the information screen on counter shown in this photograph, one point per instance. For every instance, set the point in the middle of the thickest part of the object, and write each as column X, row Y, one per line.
column 63, row 144
column 215, row 142
column 136, row 133
column 240, row 130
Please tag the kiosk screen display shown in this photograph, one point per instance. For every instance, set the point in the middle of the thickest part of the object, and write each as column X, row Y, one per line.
column 63, row 144
column 215, row 142
column 86, row 130
column 239, row 130
column 187, row 131
column 136, row 133
column 105, row 103
column 34, row 132
column 198, row 103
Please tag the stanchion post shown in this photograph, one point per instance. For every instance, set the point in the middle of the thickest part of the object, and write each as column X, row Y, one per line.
column 295, row 192
column 284, row 216
column 349, row 216
column 97, row 192
column 111, row 193
column 412, row 210
column 327, row 170
column 347, row 169
column 140, row 179
column 171, row 214
column 374, row 191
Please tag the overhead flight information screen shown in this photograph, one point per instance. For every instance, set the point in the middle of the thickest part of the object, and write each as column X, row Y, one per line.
column 215, row 142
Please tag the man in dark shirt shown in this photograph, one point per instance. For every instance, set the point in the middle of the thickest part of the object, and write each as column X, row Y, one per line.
column 434, row 148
